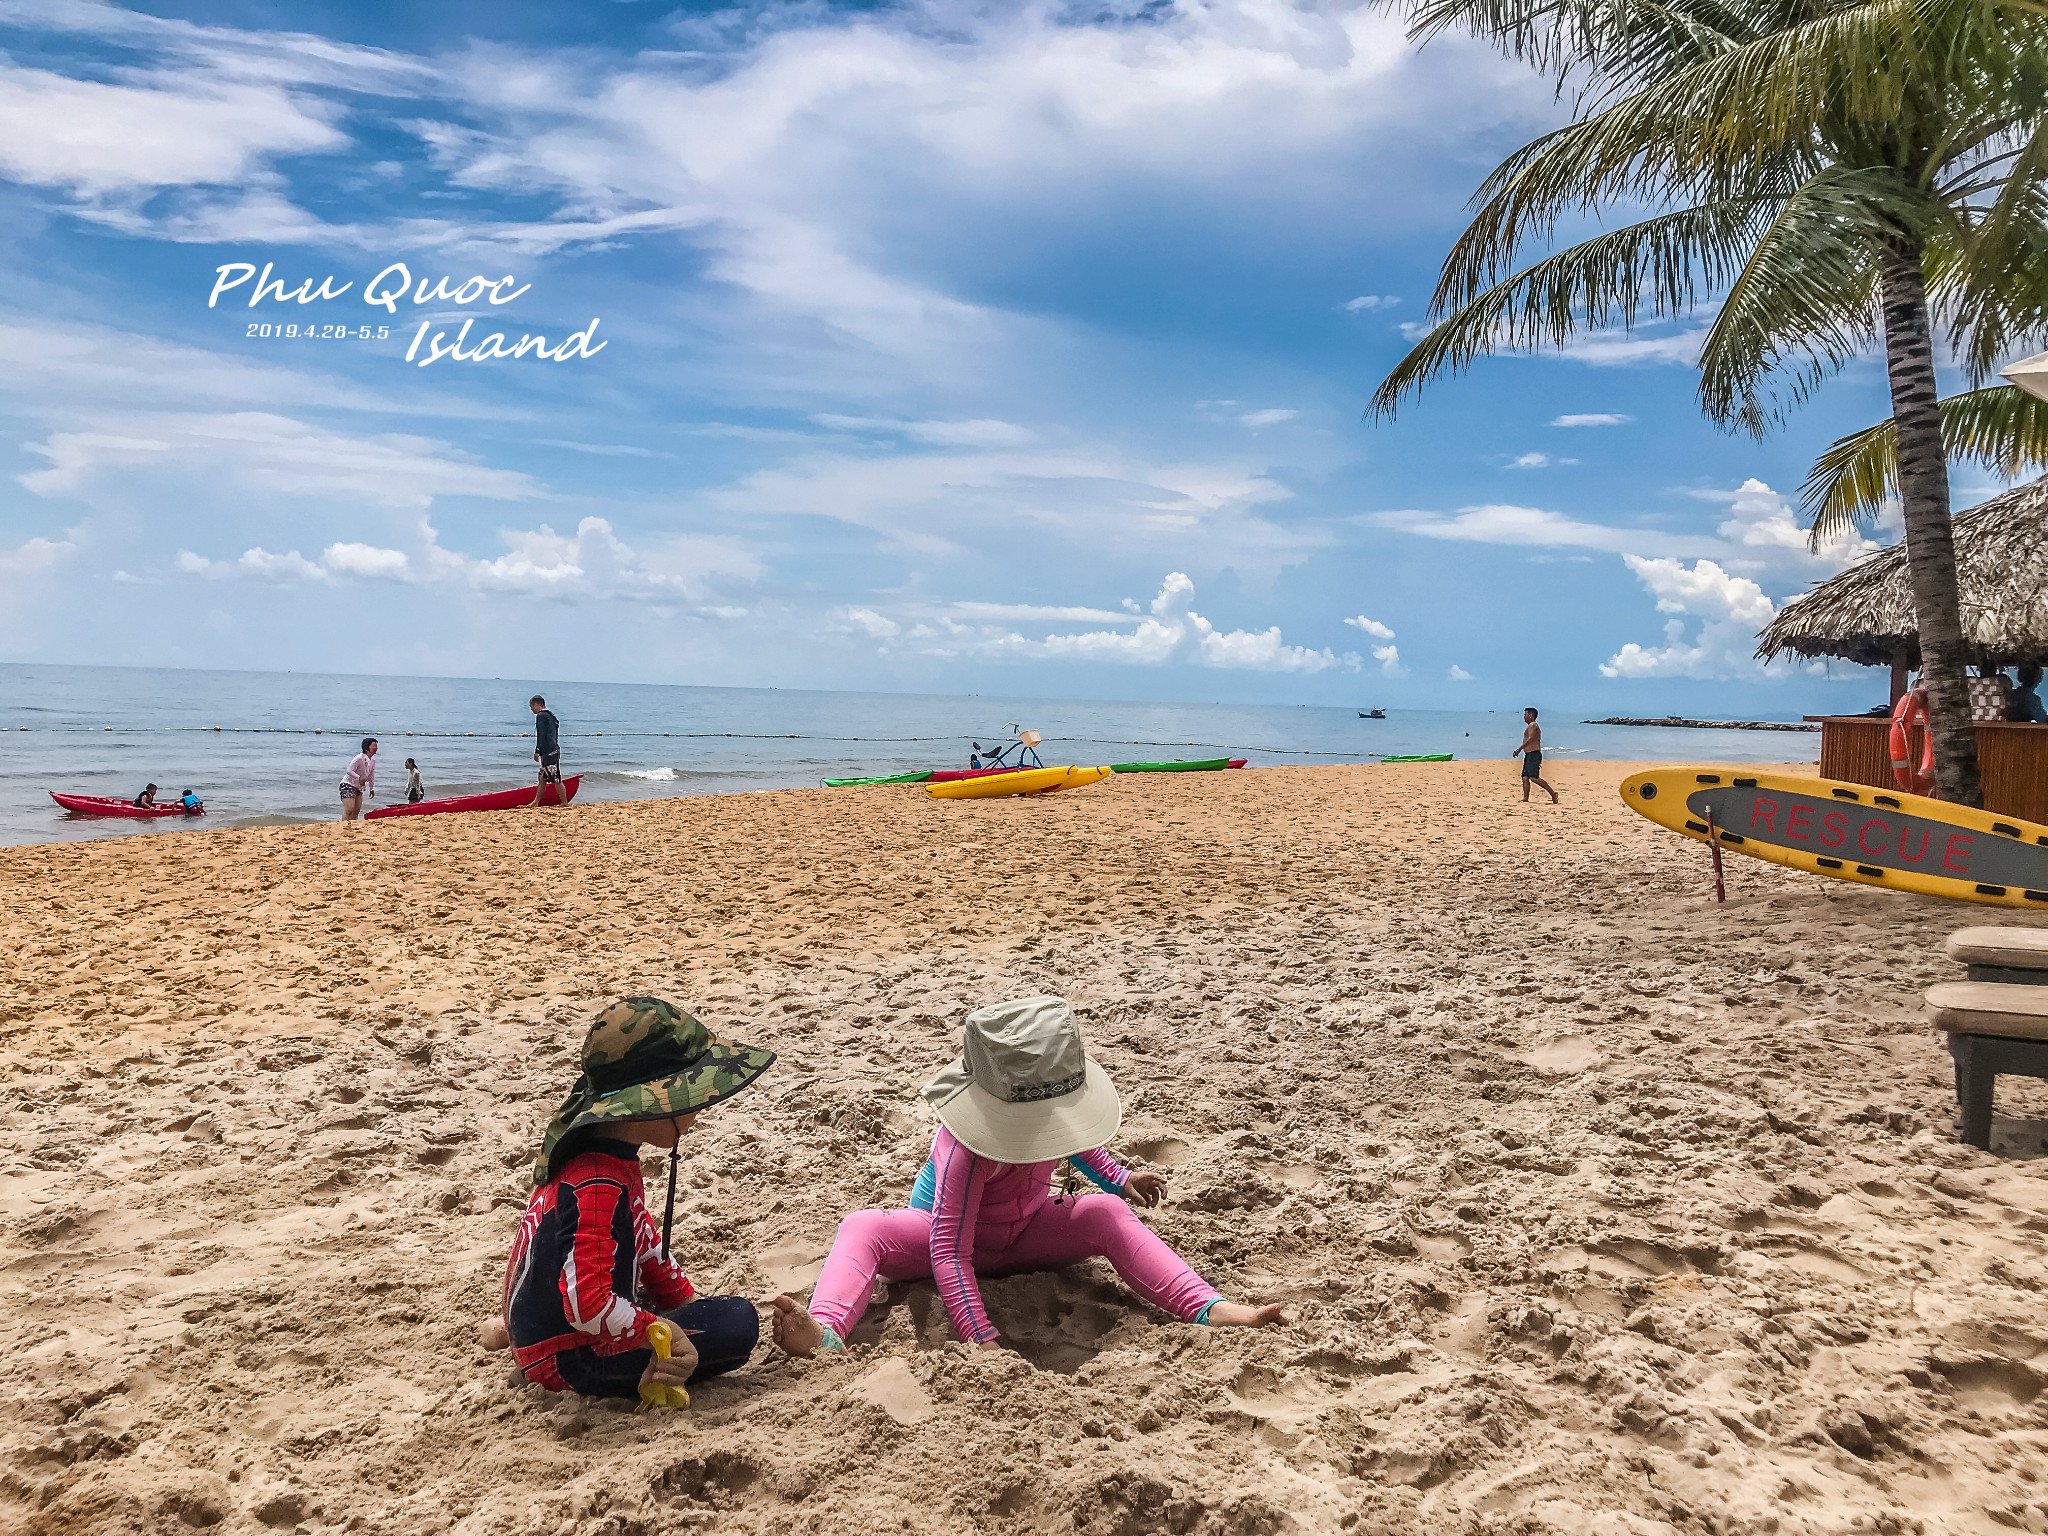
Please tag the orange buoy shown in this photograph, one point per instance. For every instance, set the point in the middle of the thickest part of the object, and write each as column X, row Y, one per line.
column 1911, row 710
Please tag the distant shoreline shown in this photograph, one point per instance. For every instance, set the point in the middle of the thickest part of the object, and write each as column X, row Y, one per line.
column 1707, row 725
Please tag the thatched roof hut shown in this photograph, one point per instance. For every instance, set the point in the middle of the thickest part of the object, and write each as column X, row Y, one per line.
column 1865, row 614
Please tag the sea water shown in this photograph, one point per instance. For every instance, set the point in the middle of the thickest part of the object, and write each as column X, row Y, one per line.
column 269, row 747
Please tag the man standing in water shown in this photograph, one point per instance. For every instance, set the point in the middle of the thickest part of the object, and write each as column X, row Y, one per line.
column 1531, row 754
column 547, row 746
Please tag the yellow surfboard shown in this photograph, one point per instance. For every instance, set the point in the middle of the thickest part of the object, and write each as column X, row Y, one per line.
column 1032, row 781
column 1852, row 832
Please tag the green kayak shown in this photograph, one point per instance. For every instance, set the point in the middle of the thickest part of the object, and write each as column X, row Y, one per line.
column 1419, row 757
column 893, row 778
column 1183, row 765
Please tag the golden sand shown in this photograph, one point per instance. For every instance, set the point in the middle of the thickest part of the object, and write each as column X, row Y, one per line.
column 1598, row 1208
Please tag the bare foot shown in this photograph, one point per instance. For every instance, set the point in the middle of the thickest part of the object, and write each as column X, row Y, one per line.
column 795, row 1331
column 1236, row 1314
column 492, row 1335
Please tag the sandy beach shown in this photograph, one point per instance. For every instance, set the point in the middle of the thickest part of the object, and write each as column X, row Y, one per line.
column 1598, row 1209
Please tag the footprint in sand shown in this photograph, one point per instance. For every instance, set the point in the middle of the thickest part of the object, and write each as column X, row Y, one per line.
column 720, row 1480
column 1162, row 1151
column 1565, row 1055
column 792, row 1268
column 1991, row 1384
column 892, row 1388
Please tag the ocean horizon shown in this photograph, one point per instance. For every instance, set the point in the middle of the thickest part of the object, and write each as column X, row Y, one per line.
column 269, row 748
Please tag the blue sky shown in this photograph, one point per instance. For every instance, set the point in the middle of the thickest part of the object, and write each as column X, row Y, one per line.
column 949, row 347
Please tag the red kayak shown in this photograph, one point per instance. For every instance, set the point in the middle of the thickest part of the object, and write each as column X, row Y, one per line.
column 496, row 800
column 954, row 775
column 1237, row 762
column 101, row 805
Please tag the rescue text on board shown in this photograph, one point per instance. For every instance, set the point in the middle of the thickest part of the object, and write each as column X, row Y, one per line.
column 1830, row 829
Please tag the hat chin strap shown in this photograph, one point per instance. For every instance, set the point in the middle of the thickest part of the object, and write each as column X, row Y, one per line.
column 668, row 1210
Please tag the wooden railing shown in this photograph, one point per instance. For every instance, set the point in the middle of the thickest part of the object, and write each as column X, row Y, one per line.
column 2011, row 759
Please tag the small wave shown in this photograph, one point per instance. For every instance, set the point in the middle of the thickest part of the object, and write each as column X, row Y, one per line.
column 646, row 773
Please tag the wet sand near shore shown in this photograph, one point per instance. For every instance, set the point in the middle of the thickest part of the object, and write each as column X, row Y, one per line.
column 1597, row 1208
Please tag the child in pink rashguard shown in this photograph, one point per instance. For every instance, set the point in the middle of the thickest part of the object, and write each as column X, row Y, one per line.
column 1023, row 1095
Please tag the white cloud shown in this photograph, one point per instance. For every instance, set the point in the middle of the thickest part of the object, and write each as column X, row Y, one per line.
column 1266, row 418
column 797, row 153
column 1372, row 627
column 1729, row 610
column 1622, row 349
column 366, row 560
column 257, row 564
column 33, row 557
column 591, row 563
column 96, row 138
column 1039, row 613
column 1764, row 533
column 872, row 624
column 1722, row 592
column 1459, row 675
column 1087, row 498
column 291, row 58
column 1529, row 461
column 1761, row 536
column 267, row 452
column 1510, row 524
column 1168, row 632
column 1389, row 658
column 1366, row 301
column 1593, row 419
column 46, row 363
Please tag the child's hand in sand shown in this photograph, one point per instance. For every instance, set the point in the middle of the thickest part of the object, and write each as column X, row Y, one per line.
column 794, row 1330
column 492, row 1335
column 676, row 1369
column 1145, row 1189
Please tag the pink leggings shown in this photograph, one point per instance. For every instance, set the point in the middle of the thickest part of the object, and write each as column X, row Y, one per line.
column 896, row 1245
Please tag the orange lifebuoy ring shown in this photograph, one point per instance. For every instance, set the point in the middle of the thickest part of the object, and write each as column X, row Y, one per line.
column 1911, row 710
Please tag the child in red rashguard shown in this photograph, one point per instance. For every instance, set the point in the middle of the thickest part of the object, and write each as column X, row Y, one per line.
column 590, row 1270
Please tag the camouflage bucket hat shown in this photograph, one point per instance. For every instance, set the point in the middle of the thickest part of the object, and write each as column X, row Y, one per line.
column 645, row 1059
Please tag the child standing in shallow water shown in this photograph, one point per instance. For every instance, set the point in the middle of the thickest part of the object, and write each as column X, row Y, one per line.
column 1023, row 1095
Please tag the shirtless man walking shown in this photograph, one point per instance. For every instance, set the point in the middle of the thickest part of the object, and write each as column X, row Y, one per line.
column 1531, row 754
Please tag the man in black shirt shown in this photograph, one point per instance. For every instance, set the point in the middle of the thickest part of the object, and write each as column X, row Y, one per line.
column 547, row 746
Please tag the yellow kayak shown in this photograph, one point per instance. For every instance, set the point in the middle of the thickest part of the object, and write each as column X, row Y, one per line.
column 1031, row 781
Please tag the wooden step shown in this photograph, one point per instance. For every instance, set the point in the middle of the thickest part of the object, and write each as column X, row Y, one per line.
column 2015, row 949
column 1989, row 1008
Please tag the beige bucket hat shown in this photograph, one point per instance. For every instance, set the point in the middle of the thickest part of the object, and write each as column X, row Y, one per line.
column 1024, row 1090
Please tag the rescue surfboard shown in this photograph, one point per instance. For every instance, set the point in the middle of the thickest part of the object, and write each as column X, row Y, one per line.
column 1852, row 832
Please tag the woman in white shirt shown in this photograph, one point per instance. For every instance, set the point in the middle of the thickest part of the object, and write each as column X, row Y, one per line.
column 360, row 780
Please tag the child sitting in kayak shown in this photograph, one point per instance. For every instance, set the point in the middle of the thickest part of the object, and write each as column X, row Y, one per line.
column 589, row 1270
column 147, row 798
column 1023, row 1095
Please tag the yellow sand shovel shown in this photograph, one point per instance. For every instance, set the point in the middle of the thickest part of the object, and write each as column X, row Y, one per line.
column 658, row 1396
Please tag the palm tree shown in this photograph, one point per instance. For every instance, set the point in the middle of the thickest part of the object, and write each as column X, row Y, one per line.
column 2002, row 429
column 1834, row 172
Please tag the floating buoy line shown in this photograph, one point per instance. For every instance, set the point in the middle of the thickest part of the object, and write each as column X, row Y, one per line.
column 320, row 730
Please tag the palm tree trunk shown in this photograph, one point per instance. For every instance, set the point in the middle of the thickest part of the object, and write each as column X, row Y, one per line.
column 1930, row 540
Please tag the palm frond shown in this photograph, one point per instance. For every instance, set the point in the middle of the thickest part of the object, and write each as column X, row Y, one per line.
column 1803, row 304
column 1599, row 282
column 2001, row 428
